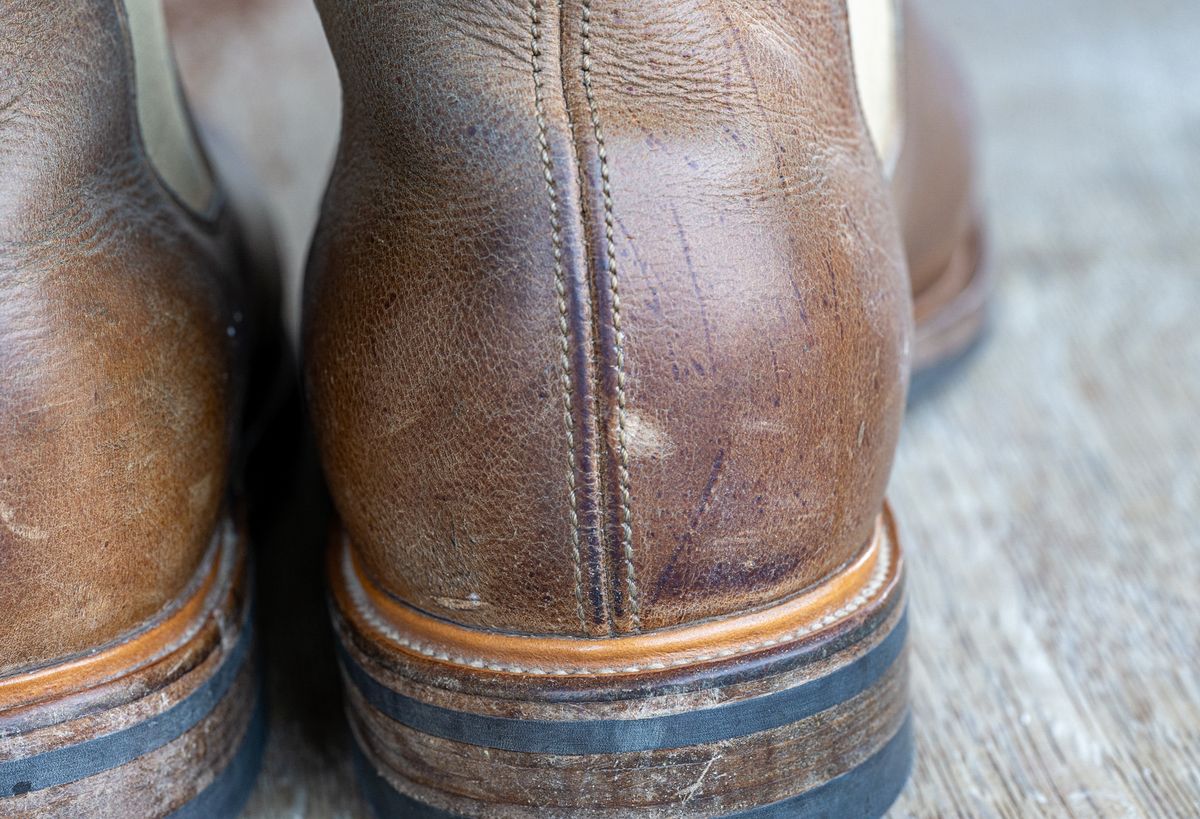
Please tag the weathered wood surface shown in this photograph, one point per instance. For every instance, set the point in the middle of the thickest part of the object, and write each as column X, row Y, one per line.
column 1048, row 488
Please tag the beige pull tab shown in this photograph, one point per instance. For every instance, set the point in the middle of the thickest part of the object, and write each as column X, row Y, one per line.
column 167, row 132
column 875, row 28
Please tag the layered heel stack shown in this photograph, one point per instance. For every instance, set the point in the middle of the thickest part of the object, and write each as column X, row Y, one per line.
column 795, row 710
column 167, row 722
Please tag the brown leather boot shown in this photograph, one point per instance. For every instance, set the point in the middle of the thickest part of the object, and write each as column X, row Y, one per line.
column 128, row 684
column 937, row 201
column 920, row 112
column 607, row 338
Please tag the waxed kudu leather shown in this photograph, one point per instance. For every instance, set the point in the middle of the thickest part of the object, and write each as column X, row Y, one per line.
column 606, row 321
column 122, row 339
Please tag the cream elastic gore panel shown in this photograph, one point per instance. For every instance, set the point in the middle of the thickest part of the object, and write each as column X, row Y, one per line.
column 166, row 131
column 875, row 42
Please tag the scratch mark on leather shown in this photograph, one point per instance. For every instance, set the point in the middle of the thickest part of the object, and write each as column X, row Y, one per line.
column 618, row 335
column 645, row 268
column 736, row 37
column 691, row 269
column 687, row 539
column 778, row 380
column 706, row 494
column 560, row 287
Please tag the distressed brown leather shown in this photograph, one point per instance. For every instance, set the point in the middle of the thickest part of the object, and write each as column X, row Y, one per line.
column 733, row 366
column 934, row 178
column 122, row 329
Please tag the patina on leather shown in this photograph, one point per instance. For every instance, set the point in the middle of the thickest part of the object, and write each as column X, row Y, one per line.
column 122, row 331
column 606, row 321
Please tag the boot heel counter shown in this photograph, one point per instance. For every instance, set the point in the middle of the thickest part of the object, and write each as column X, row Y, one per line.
column 116, row 422
column 119, row 333
column 435, row 314
column 606, row 321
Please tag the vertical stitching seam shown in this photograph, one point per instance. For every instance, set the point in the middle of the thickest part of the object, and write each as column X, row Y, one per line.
column 560, row 287
column 618, row 335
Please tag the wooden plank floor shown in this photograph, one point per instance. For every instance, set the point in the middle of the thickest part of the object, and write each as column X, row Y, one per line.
column 1049, row 488
column 1050, row 491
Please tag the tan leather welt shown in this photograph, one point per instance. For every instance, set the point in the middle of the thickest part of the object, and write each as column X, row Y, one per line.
column 868, row 579
column 175, row 631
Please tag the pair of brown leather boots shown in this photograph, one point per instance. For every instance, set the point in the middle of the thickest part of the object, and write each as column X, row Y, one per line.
column 607, row 336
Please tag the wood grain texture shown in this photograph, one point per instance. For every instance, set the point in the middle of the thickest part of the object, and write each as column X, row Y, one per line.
column 1049, row 491
column 1047, row 488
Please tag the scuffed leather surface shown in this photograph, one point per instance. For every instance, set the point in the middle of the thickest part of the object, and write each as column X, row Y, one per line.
column 763, row 296
column 119, row 328
column 764, row 309
column 431, row 326
column 934, row 181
